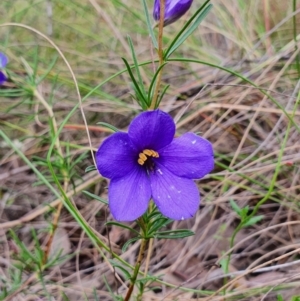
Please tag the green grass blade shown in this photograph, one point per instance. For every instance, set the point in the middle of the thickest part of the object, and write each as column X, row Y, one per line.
column 136, row 65
column 141, row 97
column 150, row 28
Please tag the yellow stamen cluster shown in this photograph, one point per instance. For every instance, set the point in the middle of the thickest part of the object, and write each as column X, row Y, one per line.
column 145, row 154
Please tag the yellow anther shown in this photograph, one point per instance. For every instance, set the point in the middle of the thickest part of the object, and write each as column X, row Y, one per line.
column 143, row 157
column 141, row 162
column 151, row 153
column 145, row 154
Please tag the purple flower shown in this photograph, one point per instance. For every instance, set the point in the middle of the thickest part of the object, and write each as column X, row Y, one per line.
column 3, row 62
column 174, row 9
column 148, row 162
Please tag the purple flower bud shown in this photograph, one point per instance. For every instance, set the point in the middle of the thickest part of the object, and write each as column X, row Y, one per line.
column 3, row 62
column 174, row 9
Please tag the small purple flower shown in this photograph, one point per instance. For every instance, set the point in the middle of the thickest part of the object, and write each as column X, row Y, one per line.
column 3, row 62
column 174, row 9
column 148, row 162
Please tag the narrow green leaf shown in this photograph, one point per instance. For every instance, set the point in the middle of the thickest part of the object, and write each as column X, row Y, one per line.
column 109, row 126
column 122, row 226
column 136, row 65
column 162, row 95
column 51, row 65
column 55, row 260
column 22, row 246
column 193, row 27
column 244, row 212
column 235, row 207
column 159, row 223
column 186, row 31
column 138, row 98
column 144, row 280
column 126, row 273
column 113, row 296
column 150, row 28
column 140, row 94
column 90, row 168
column 128, row 242
column 253, row 220
column 38, row 250
column 96, row 197
column 150, row 215
column 174, row 234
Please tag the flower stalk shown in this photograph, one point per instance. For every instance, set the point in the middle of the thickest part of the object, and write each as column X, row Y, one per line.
column 136, row 269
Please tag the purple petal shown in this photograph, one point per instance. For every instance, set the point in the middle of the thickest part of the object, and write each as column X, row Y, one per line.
column 129, row 196
column 2, row 78
column 152, row 130
column 188, row 156
column 3, row 60
column 174, row 9
column 116, row 156
column 176, row 198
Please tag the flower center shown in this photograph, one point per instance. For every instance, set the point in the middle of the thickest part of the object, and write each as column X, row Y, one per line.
column 145, row 154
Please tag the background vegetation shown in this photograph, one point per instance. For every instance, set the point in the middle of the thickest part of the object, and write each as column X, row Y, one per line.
column 240, row 90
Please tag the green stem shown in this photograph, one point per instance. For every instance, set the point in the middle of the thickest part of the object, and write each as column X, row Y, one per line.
column 160, row 53
column 235, row 232
column 136, row 269
column 37, row 94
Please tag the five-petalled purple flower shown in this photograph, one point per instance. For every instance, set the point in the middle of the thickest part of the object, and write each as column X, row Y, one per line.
column 148, row 162
column 174, row 9
column 3, row 62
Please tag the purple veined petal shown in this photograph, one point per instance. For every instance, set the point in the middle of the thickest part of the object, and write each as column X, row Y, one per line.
column 3, row 60
column 129, row 196
column 176, row 198
column 116, row 157
column 174, row 9
column 151, row 130
column 2, row 78
column 188, row 156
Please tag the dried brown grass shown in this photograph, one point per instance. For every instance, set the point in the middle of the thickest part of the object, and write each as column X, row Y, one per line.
column 246, row 128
